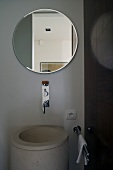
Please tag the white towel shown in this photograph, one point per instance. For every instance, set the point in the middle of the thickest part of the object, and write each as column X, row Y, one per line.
column 81, row 143
column 85, row 160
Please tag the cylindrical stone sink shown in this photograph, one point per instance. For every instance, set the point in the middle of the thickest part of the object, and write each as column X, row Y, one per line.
column 39, row 147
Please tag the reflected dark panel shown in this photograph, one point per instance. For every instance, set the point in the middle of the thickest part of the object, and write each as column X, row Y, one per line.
column 22, row 42
column 102, row 40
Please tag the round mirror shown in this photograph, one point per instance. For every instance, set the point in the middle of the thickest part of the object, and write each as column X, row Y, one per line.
column 45, row 41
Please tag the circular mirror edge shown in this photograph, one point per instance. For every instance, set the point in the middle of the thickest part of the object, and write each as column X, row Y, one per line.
column 76, row 36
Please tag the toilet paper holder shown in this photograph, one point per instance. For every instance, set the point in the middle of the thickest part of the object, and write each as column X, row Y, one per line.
column 77, row 129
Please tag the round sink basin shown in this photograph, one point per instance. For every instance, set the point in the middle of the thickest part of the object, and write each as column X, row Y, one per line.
column 39, row 147
column 40, row 137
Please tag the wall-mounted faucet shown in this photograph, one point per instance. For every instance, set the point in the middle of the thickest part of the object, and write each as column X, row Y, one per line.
column 45, row 95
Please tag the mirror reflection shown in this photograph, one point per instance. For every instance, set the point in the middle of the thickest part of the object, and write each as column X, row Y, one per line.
column 45, row 41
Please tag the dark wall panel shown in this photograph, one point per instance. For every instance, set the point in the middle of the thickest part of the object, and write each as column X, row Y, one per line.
column 98, row 45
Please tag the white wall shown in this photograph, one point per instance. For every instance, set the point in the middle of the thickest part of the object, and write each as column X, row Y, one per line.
column 20, row 89
column 53, row 46
column 51, row 51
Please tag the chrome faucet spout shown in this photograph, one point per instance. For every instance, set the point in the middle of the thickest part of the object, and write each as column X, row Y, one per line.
column 45, row 104
column 43, row 108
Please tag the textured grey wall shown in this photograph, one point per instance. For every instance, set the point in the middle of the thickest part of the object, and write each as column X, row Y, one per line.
column 20, row 89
